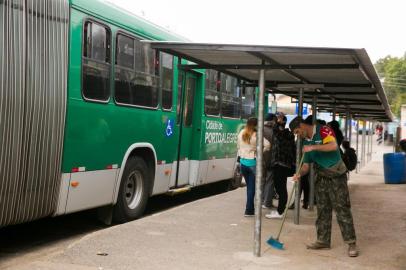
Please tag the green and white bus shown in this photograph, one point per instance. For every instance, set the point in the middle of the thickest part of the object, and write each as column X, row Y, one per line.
column 92, row 117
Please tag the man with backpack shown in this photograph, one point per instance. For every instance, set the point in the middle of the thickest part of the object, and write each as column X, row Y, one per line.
column 331, row 190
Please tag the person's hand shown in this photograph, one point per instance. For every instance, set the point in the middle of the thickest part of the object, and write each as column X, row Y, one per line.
column 296, row 177
column 308, row 148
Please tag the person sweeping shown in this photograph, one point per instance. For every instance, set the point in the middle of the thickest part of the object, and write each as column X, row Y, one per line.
column 331, row 190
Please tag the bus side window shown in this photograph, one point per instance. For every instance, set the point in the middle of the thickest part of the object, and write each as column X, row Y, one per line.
column 124, row 82
column 137, row 73
column 248, row 102
column 167, row 80
column 212, row 93
column 147, row 79
column 96, row 62
column 230, row 97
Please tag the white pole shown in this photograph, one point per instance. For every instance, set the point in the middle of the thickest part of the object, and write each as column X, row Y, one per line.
column 369, row 142
column 259, row 167
column 358, row 156
column 298, row 157
column 350, row 130
column 312, row 172
column 347, row 116
column 364, row 132
column 371, row 127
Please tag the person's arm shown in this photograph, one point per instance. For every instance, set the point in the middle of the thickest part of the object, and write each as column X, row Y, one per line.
column 303, row 171
column 329, row 141
column 328, row 147
column 267, row 145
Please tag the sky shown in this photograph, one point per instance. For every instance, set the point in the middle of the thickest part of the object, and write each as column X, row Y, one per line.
column 376, row 25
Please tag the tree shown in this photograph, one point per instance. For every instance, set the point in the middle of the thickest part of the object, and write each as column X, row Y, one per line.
column 381, row 64
column 392, row 71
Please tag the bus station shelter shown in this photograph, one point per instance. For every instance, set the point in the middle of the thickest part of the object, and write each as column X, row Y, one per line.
column 342, row 81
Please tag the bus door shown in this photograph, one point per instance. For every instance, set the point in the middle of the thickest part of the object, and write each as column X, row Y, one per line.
column 185, row 116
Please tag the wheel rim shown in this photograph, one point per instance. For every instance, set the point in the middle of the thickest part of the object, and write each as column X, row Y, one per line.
column 133, row 189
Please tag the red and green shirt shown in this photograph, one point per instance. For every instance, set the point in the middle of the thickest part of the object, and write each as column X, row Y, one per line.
column 322, row 135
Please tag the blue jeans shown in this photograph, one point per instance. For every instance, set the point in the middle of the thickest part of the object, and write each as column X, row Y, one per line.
column 249, row 176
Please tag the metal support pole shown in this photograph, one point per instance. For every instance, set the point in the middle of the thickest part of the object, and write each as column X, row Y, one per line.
column 364, row 132
column 369, row 142
column 349, row 127
column 334, row 111
column 347, row 117
column 371, row 127
column 259, row 167
column 367, row 145
column 357, row 149
column 298, row 157
column 372, row 144
column 350, row 130
column 312, row 172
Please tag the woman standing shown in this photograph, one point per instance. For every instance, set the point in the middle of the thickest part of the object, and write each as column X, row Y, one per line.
column 247, row 151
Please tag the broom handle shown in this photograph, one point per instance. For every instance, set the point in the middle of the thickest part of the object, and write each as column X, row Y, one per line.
column 290, row 199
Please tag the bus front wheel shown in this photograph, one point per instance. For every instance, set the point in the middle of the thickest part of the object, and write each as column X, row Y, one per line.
column 133, row 193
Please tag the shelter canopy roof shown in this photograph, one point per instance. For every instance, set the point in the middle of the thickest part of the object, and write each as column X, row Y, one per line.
column 342, row 79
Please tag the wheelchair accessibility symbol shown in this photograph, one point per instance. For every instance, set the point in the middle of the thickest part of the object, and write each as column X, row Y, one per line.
column 169, row 128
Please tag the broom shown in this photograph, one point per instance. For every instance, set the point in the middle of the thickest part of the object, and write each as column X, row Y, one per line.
column 274, row 242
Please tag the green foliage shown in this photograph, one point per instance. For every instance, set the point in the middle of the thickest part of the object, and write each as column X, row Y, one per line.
column 393, row 72
column 381, row 64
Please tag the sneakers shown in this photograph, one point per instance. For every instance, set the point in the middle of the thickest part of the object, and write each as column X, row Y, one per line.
column 267, row 207
column 352, row 250
column 274, row 214
column 318, row 245
column 249, row 214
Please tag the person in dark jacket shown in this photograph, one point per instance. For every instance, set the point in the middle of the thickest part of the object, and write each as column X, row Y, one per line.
column 268, row 186
column 283, row 158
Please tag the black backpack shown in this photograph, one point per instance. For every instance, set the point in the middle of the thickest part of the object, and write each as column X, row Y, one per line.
column 283, row 149
column 350, row 159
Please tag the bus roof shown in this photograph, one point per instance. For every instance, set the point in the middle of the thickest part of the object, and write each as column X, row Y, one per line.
column 125, row 19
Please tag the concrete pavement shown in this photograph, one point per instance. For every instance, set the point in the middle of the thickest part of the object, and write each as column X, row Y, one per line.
column 212, row 233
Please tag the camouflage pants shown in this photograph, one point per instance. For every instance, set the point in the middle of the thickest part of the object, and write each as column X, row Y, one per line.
column 332, row 194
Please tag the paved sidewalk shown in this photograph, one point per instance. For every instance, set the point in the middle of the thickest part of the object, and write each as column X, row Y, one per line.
column 212, row 233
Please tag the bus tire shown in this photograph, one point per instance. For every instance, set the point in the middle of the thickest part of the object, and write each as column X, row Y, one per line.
column 236, row 181
column 134, row 191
